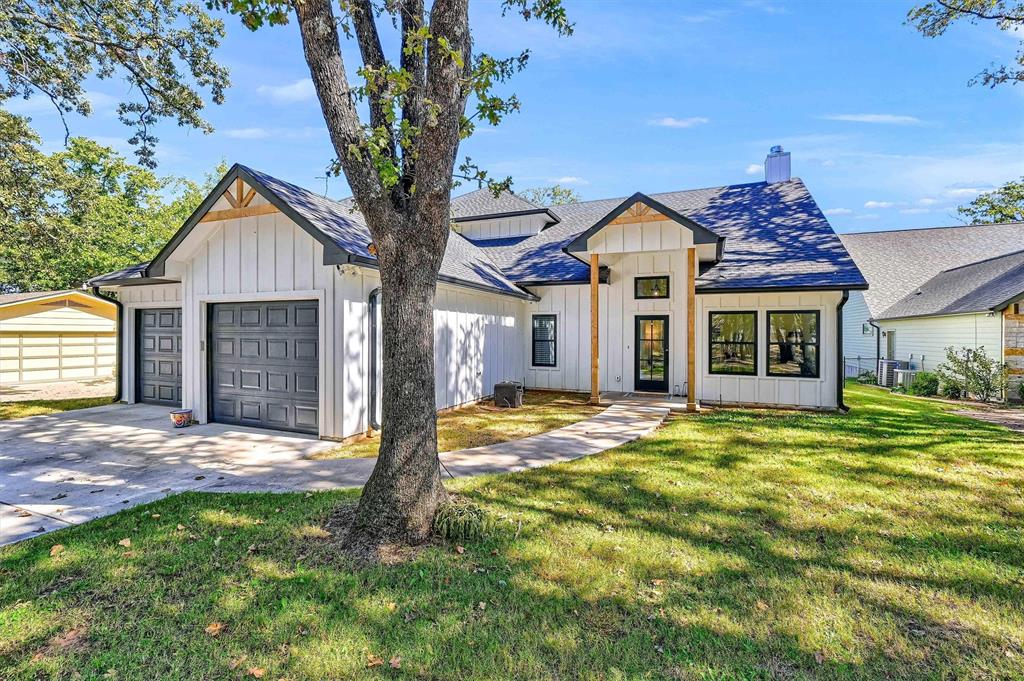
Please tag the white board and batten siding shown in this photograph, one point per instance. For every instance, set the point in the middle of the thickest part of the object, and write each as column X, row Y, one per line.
column 819, row 393
column 268, row 257
column 923, row 341
column 630, row 251
column 617, row 313
column 859, row 348
column 502, row 228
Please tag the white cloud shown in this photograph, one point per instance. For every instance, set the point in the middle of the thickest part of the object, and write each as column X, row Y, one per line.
column 838, row 211
column 247, row 133
column 670, row 122
column 890, row 119
column 967, row 190
column 754, row 169
column 299, row 91
column 878, row 204
column 915, row 211
column 569, row 179
column 927, row 201
column 705, row 16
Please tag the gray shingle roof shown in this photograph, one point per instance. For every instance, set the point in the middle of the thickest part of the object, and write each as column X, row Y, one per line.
column 484, row 202
column 134, row 272
column 775, row 237
column 344, row 226
column 8, row 298
column 898, row 262
column 979, row 287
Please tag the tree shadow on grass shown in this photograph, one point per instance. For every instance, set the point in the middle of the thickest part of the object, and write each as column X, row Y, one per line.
column 743, row 545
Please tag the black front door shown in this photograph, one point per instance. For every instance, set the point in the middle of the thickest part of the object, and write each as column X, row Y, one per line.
column 651, row 354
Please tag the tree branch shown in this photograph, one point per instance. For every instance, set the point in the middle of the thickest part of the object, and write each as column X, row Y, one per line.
column 960, row 9
column 414, row 62
column 449, row 64
column 376, row 66
column 322, row 47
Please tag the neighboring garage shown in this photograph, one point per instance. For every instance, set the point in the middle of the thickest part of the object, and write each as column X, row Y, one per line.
column 264, row 364
column 56, row 336
column 159, row 358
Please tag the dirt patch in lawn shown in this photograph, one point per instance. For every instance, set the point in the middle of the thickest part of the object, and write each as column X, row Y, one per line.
column 484, row 424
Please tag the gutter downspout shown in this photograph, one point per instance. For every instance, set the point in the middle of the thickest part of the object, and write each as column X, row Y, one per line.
column 120, row 335
column 878, row 342
column 840, row 360
column 373, row 302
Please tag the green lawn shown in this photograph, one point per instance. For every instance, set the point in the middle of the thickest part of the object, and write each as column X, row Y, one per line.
column 484, row 424
column 17, row 410
column 887, row 543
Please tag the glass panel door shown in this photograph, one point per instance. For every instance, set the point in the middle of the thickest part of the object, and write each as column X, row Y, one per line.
column 651, row 354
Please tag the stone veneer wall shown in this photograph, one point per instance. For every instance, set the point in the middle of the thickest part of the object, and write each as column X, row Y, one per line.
column 1013, row 350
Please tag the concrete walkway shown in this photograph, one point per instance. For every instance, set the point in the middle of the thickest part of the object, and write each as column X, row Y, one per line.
column 63, row 469
column 1011, row 418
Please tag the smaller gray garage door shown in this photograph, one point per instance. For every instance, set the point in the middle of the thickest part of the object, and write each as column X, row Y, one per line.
column 265, row 364
column 158, row 380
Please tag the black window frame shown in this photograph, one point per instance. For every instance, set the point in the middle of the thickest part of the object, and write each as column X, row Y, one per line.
column 769, row 343
column 713, row 343
column 668, row 287
column 534, row 341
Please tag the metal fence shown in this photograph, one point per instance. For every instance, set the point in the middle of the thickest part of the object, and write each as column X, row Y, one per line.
column 855, row 366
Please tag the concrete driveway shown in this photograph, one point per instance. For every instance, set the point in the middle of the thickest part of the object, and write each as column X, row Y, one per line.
column 63, row 469
column 66, row 468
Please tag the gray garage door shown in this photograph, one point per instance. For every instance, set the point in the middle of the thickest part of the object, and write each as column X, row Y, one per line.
column 264, row 365
column 158, row 380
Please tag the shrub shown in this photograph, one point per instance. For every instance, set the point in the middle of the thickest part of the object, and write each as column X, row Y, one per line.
column 1020, row 391
column 951, row 390
column 459, row 519
column 867, row 377
column 969, row 372
column 925, row 384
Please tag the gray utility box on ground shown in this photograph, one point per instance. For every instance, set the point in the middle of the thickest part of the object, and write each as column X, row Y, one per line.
column 508, row 394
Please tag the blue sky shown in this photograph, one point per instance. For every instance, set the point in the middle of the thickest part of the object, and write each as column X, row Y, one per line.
column 659, row 96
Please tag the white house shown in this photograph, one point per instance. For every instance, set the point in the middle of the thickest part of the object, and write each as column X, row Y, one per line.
column 55, row 336
column 936, row 288
column 261, row 309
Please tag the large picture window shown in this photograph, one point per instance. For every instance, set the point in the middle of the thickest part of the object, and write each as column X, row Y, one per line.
column 545, row 339
column 733, row 343
column 793, row 344
column 650, row 287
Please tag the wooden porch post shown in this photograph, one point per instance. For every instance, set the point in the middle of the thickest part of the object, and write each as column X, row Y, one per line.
column 595, row 376
column 691, row 330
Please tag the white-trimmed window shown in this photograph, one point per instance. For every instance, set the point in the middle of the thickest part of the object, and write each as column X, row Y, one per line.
column 545, row 340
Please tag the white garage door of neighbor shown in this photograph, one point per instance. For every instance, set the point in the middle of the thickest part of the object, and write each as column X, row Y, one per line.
column 34, row 357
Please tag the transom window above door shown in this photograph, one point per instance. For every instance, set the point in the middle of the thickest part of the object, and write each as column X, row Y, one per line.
column 650, row 287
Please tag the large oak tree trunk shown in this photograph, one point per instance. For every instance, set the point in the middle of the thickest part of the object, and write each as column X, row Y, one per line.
column 400, row 498
column 409, row 224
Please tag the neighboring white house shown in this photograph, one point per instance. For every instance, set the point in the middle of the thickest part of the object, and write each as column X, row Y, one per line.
column 936, row 288
column 261, row 309
column 54, row 336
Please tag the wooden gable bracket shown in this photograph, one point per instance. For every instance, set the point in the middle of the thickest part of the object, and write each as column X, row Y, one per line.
column 239, row 202
column 638, row 212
